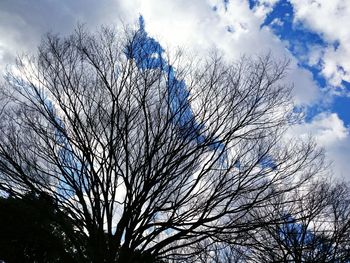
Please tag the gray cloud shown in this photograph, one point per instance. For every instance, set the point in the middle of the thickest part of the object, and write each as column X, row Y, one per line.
column 23, row 23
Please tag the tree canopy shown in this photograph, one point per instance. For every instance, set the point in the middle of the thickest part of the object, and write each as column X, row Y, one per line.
column 150, row 157
column 33, row 230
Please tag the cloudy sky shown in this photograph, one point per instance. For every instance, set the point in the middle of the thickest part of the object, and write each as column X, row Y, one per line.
column 313, row 34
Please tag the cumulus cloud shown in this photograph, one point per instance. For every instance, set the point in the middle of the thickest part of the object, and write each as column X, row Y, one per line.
column 329, row 132
column 305, row 88
column 263, row 7
column 232, row 28
column 330, row 19
column 198, row 26
column 23, row 23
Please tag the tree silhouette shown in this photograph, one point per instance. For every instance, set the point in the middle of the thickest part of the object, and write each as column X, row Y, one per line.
column 149, row 156
column 33, row 230
column 315, row 229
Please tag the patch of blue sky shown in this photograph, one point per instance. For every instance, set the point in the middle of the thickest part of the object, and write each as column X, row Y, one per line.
column 253, row 3
column 147, row 54
column 226, row 2
column 70, row 164
column 293, row 233
column 301, row 42
column 341, row 107
column 268, row 162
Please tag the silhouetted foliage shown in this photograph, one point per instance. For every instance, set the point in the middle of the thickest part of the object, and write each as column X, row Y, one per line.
column 33, row 230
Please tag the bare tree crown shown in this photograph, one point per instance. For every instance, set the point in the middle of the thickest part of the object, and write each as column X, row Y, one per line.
column 145, row 154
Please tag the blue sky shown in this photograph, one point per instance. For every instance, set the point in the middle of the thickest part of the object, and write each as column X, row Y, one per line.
column 301, row 40
column 313, row 34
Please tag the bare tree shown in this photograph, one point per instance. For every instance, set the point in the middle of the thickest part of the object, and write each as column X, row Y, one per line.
column 314, row 229
column 149, row 157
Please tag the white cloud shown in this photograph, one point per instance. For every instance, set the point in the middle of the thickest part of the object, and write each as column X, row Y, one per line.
column 329, row 132
column 263, row 7
column 194, row 25
column 305, row 88
column 331, row 20
column 23, row 23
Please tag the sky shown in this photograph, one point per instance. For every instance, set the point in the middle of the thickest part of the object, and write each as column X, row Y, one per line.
column 312, row 34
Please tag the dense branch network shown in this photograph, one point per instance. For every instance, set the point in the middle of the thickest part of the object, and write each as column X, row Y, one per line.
column 141, row 162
